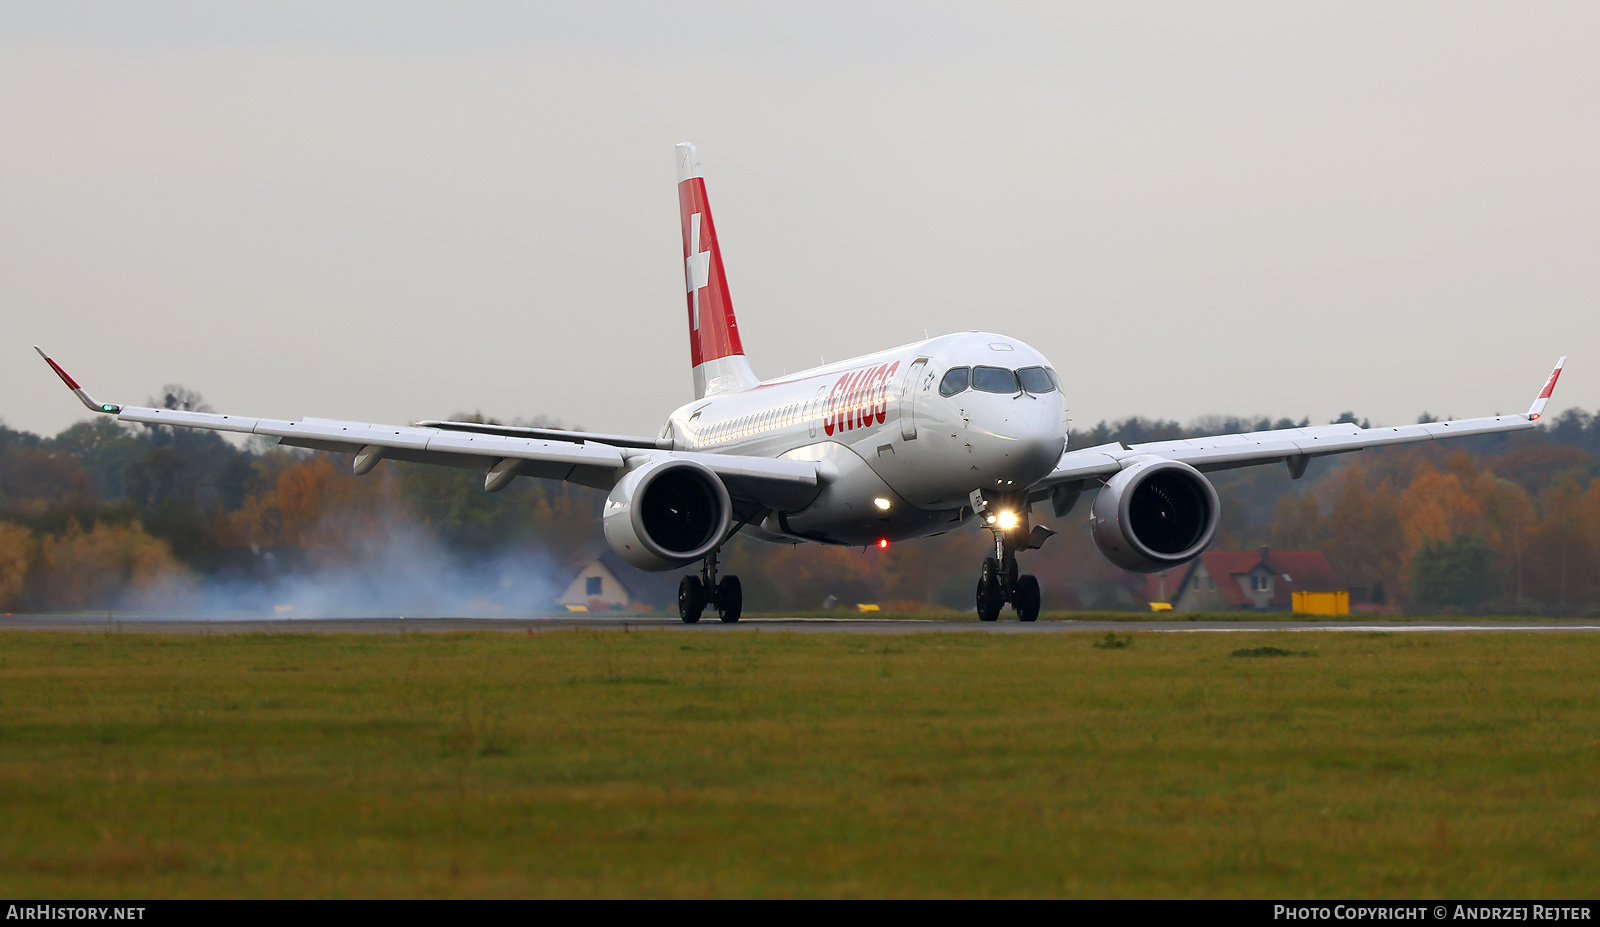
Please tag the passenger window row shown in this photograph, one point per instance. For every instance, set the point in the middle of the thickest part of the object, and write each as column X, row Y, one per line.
column 746, row 425
column 999, row 380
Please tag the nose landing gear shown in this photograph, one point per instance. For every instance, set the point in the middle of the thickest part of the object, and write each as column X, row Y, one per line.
column 999, row 584
column 696, row 592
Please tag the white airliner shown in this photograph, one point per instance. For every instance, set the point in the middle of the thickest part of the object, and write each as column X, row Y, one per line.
column 905, row 443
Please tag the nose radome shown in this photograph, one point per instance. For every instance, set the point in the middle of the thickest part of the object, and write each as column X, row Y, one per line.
column 1041, row 451
column 1043, row 440
column 1029, row 416
column 1030, row 450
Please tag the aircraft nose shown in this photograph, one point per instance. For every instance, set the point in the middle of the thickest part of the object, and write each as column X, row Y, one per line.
column 1031, row 448
column 1040, row 449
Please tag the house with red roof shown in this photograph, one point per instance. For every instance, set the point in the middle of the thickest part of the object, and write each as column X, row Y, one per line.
column 1229, row 580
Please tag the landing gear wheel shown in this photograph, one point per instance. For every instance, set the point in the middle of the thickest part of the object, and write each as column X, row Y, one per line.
column 1026, row 601
column 990, row 597
column 691, row 599
column 730, row 599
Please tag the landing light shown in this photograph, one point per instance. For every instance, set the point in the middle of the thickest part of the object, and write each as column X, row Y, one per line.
column 1007, row 520
column 881, row 503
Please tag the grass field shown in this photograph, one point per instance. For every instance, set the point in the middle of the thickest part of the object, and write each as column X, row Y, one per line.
column 681, row 764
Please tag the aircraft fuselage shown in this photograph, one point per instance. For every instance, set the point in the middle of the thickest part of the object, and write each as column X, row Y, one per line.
column 903, row 446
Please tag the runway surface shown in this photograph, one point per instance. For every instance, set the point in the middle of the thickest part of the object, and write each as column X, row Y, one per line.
column 119, row 624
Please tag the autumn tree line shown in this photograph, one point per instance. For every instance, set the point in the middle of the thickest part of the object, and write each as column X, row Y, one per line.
column 112, row 516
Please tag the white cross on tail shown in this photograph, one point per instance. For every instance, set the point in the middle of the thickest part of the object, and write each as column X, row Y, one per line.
column 696, row 269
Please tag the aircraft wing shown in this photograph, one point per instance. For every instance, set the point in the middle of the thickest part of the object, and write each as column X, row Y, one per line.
column 1293, row 446
column 500, row 452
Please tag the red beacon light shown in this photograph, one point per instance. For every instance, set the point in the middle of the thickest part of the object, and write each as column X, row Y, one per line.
column 883, row 543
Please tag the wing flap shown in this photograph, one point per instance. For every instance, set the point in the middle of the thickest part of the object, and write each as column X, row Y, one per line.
column 784, row 484
column 359, row 434
column 330, row 434
column 592, row 455
column 209, row 421
column 1224, row 452
column 1478, row 426
column 551, row 434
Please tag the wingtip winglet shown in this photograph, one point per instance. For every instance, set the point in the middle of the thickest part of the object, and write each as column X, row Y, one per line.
column 65, row 377
column 1549, row 389
column 83, row 397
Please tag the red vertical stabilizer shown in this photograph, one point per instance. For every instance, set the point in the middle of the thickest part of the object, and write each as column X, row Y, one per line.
column 714, row 346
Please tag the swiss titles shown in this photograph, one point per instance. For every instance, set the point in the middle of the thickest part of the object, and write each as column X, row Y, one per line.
column 859, row 398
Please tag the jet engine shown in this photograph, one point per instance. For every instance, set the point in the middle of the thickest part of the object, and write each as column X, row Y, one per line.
column 666, row 514
column 1153, row 515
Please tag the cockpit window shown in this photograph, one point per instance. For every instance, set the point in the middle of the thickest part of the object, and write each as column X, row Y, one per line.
column 1035, row 380
column 954, row 382
column 1053, row 378
column 994, row 380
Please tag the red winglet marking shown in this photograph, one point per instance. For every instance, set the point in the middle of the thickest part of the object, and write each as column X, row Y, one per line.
column 71, row 383
column 1551, row 386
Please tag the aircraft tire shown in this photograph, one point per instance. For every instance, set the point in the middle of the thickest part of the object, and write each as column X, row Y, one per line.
column 1027, row 603
column 990, row 599
column 730, row 599
column 691, row 599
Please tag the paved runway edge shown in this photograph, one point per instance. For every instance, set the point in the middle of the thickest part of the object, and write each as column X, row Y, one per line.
column 89, row 624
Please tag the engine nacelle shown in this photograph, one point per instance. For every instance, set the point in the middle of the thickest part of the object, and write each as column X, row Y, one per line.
column 666, row 514
column 1154, row 515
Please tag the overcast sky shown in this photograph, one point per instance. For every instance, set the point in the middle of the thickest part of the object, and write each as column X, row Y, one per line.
column 391, row 211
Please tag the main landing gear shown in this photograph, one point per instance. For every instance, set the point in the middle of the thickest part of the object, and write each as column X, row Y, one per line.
column 999, row 584
column 696, row 592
